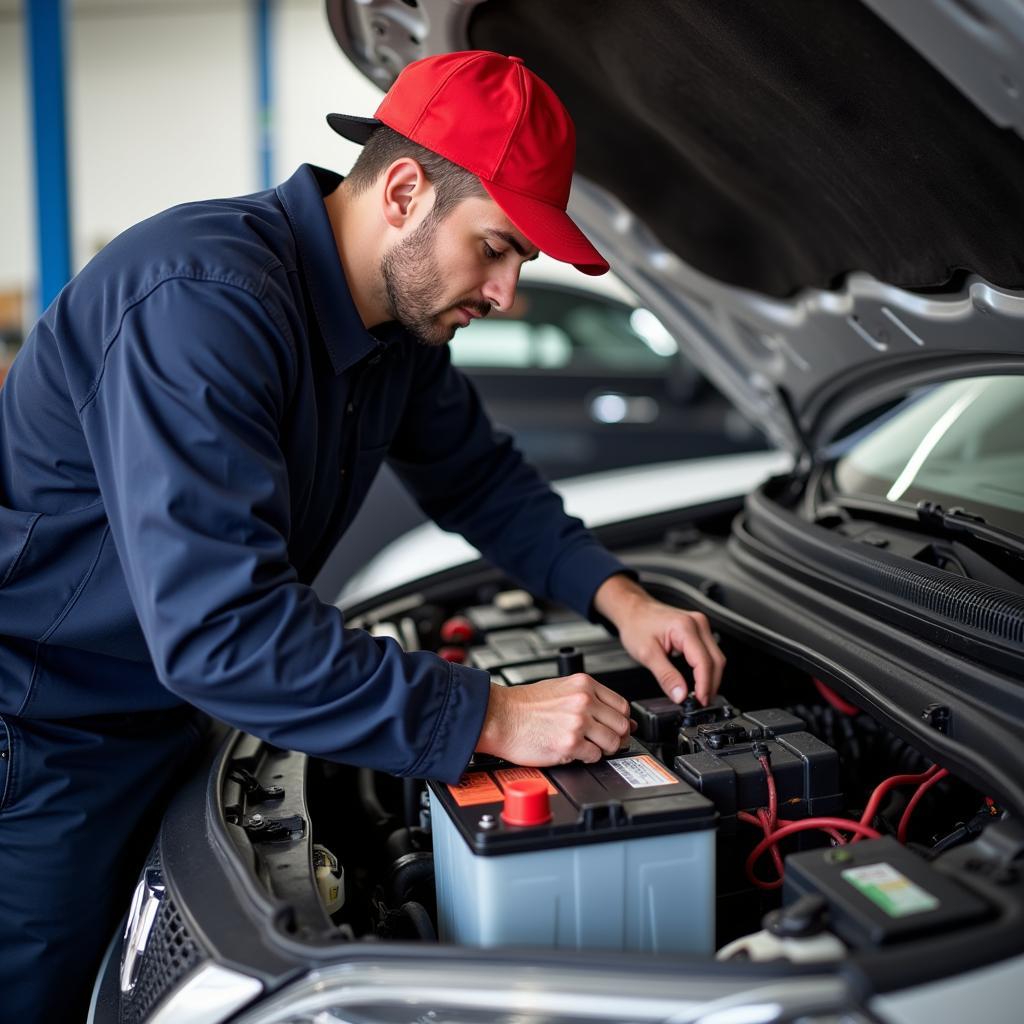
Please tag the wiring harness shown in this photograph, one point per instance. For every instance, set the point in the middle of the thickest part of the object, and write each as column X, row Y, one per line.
column 840, row 830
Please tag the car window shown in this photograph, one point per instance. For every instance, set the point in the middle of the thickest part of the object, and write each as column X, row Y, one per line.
column 513, row 344
column 565, row 329
column 958, row 443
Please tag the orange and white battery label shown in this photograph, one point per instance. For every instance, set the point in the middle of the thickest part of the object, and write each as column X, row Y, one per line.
column 643, row 771
column 507, row 775
column 476, row 788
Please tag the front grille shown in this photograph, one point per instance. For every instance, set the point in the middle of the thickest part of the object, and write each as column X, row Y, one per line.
column 170, row 954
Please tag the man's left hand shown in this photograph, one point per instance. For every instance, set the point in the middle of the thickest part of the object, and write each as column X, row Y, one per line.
column 651, row 631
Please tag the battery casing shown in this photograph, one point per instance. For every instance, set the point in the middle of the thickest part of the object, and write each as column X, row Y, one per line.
column 627, row 861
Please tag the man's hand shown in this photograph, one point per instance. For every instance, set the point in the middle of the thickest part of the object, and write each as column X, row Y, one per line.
column 554, row 721
column 651, row 631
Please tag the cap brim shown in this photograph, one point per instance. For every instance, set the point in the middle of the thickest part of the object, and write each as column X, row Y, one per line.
column 355, row 129
column 549, row 228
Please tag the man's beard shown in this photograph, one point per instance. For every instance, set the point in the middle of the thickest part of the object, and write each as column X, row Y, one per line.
column 413, row 286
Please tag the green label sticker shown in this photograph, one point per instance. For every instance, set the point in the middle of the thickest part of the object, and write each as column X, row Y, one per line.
column 896, row 894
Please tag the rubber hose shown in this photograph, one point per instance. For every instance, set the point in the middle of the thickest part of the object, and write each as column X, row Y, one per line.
column 417, row 913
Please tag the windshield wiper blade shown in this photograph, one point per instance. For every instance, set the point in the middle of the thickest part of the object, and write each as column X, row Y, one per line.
column 958, row 521
column 953, row 522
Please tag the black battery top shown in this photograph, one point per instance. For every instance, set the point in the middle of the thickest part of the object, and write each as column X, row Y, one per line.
column 626, row 796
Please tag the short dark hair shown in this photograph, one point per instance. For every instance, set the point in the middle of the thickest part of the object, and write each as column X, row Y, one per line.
column 451, row 182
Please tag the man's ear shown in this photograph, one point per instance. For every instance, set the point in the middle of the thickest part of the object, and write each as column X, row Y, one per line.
column 405, row 192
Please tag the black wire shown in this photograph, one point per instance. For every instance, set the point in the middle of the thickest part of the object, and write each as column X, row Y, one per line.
column 954, row 838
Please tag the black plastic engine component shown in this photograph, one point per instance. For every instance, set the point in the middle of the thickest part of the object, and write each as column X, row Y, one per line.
column 724, row 765
column 659, row 719
column 570, row 661
column 747, row 726
column 879, row 892
column 508, row 647
column 805, row 916
column 605, row 662
column 615, row 668
column 487, row 617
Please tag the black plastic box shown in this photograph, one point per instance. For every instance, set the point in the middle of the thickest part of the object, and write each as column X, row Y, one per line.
column 879, row 892
column 725, row 768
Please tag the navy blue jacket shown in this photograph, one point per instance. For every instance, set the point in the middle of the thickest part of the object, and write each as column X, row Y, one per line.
column 185, row 435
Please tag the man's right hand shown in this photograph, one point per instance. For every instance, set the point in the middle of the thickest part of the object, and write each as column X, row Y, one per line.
column 554, row 721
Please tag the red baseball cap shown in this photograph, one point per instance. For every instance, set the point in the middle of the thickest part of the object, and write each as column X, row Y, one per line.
column 493, row 116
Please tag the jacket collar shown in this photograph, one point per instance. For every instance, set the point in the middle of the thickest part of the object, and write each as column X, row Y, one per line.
column 345, row 337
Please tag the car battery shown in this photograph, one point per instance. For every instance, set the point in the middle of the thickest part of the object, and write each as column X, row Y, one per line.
column 617, row 855
column 878, row 893
column 723, row 764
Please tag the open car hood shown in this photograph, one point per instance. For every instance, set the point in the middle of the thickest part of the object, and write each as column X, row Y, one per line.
column 821, row 199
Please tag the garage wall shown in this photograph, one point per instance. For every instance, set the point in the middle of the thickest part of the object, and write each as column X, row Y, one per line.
column 161, row 110
column 17, row 242
column 312, row 79
column 159, row 113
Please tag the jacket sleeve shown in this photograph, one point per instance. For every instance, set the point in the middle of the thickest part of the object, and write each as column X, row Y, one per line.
column 471, row 479
column 182, row 426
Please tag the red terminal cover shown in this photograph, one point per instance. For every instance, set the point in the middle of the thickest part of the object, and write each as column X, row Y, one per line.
column 526, row 802
column 456, row 654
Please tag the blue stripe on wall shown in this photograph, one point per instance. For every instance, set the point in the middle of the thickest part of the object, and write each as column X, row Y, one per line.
column 45, row 27
column 264, row 100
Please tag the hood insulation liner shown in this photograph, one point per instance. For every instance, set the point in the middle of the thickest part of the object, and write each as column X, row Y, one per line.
column 777, row 146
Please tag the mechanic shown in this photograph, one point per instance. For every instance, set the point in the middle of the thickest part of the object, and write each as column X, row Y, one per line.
column 189, row 429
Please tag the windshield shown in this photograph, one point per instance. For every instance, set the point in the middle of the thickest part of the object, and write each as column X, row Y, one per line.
column 958, row 444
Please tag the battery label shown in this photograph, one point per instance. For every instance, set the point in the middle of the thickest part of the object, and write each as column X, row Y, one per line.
column 507, row 775
column 886, row 887
column 642, row 771
column 476, row 788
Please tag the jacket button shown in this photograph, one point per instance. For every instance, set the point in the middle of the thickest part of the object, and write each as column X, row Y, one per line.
column 350, row 407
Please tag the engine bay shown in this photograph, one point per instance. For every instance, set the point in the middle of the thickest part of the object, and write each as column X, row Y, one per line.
column 780, row 822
